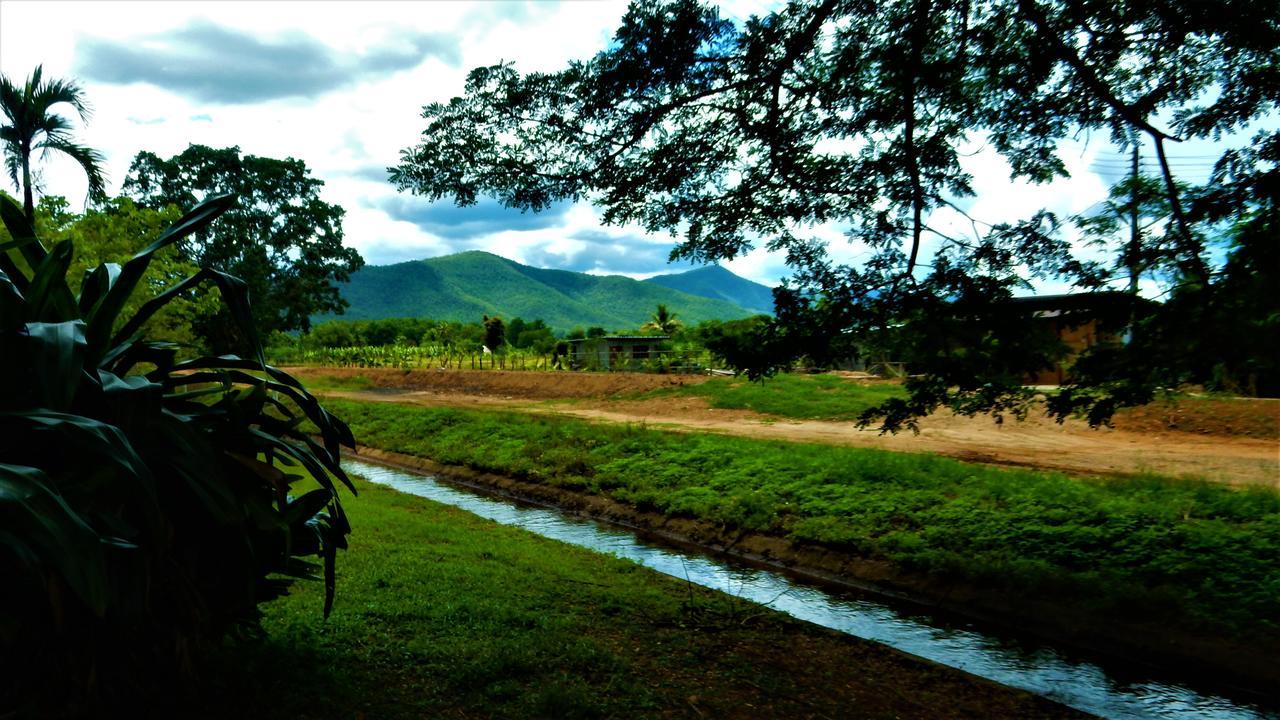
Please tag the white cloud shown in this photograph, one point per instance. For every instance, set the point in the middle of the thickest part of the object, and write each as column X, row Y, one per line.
column 372, row 66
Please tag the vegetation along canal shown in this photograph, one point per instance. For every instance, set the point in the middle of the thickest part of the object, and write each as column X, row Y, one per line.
column 1039, row 669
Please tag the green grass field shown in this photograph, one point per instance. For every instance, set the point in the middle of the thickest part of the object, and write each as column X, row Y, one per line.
column 1196, row 554
column 442, row 614
column 808, row 397
column 337, row 382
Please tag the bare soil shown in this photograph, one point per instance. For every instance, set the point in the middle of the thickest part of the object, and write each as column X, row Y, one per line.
column 1225, row 440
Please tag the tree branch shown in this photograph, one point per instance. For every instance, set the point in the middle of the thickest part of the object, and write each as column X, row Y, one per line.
column 1091, row 80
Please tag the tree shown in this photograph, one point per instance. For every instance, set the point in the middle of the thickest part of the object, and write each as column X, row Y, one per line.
column 1126, row 224
column 494, row 332
column 533, row 335
column 663, row 321
column 32, row 125
column 281, row 239
column 732, row 341
column 734, row 135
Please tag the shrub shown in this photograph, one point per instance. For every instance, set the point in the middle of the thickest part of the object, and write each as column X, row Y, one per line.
column 144, row 501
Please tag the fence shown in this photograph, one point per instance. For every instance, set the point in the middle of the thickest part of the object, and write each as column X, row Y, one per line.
column 685, row 362
column 408, row 357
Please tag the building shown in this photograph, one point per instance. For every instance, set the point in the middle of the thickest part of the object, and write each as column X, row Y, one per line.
column 614, row 352
column 1080, row 321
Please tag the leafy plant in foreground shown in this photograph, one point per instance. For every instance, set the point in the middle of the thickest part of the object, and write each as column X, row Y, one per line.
column 144, row 501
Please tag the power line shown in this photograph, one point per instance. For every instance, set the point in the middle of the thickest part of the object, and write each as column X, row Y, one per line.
column 1155, row 166
column 1154, row 162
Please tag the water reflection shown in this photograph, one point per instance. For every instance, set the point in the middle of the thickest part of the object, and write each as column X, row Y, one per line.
column 1041, row 670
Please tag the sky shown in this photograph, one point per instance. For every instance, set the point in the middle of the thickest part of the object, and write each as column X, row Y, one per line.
column 340, row 85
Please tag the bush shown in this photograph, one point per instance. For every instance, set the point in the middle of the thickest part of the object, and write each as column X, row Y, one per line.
column 144, row 501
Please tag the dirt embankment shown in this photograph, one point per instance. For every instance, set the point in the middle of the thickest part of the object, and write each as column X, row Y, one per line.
column 1135, row 643
column 1223, row 440
column 506, row 384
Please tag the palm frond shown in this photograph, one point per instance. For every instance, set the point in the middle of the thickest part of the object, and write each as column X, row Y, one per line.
column 32, row 125
column 13, row 166
column 52, row 124
column 59, row 91
column 90, row 160
column 10, row 100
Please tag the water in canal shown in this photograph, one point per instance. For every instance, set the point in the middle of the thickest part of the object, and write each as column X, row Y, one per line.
column 1037, row 668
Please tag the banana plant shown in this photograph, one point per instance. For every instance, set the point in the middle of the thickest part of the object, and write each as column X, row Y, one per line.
column 148, row 503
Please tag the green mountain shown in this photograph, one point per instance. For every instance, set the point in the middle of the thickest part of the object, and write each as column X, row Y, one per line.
column 470, row 284
column 714, row 281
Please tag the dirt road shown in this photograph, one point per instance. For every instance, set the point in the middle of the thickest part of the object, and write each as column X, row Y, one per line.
column 1037, row 442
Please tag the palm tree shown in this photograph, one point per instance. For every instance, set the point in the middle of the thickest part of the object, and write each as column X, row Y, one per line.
column 32, row 126
column 663, row 321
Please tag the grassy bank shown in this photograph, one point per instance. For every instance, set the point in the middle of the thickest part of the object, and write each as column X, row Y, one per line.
column 442, row 614
column 806, row 397
column 1197, row 554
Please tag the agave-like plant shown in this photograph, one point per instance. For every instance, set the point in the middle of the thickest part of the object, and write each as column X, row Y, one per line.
column 145, row 501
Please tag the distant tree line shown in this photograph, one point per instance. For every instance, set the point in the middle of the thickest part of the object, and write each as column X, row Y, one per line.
column 492, row 331
column 727, row 340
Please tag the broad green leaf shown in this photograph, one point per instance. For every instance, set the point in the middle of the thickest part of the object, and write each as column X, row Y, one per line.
column 81, row 437
column 13, row 310
column 15, row 221
column 15, row 276
column 55, row 352
column 306, row 507
column 48, row 297
column 108, row 309
column 97, row 283
column 53, row 533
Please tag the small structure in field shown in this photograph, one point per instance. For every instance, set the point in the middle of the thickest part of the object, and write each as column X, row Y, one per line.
column 1080, row 321
column 614, row 352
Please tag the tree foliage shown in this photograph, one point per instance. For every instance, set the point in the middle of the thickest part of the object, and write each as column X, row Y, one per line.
column 663, row 321
column 532, row 335
column 495, row 332
column 32, row 125
column 1127, row 227
column 144, row 500
column 733, row 135
column 281, row 239
column 114, row 233
column 451, row 335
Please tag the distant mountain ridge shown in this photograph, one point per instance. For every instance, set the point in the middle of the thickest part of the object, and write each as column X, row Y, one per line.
column 467, row 285
column 714, row 281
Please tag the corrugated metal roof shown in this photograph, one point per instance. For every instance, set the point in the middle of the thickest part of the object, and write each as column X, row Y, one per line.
column 623, row 337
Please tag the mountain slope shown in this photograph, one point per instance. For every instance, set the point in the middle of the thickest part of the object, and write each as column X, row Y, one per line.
column 470, row 284
column 716, row 282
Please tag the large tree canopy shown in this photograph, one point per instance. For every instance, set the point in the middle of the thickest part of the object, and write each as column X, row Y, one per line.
column 733, row 135
column 281, row 238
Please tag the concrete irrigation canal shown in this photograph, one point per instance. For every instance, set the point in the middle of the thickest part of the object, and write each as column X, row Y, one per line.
column 1086, row 685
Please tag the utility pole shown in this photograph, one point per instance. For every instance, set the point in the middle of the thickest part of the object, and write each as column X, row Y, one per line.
column 1135, row 232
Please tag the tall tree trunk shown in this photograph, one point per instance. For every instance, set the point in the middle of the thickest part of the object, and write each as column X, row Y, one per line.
column 28, row 205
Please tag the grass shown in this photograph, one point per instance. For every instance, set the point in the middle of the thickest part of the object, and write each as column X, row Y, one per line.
column 442, row 614
column 339, row 382
column 1197, row 554
column 808, row 397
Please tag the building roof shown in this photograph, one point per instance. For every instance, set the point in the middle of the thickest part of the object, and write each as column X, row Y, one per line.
column 1074, row 301
column 623, row 337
